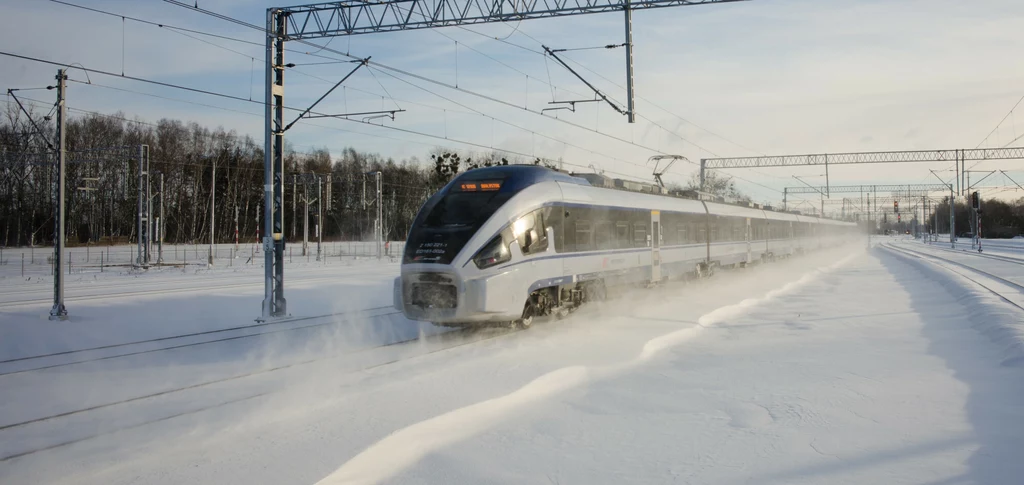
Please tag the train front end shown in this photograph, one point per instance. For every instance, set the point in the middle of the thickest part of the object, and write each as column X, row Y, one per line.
column 458, row 267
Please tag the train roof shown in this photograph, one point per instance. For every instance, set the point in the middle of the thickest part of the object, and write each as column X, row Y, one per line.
column 517, row 177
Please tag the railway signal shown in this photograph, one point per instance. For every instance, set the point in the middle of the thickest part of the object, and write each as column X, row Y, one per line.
column 896, row 206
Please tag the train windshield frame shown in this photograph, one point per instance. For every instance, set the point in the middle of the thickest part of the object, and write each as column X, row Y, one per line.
column 458, row 208
column 450, row 221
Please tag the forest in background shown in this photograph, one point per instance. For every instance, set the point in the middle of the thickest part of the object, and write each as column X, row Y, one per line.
column 185, row 153
column 102, row 187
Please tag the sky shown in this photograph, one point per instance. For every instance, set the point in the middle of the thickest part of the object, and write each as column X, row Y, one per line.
column 750, row 78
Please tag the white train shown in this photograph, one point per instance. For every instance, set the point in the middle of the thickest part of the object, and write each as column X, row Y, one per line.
column 505, row 244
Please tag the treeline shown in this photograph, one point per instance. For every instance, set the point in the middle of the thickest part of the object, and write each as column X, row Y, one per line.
column 102, row 185
column 999, row 219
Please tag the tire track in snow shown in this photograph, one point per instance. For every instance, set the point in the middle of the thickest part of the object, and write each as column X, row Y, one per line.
column 403, row 448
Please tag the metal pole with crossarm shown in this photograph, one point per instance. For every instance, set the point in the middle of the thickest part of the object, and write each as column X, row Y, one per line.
column 343, row 18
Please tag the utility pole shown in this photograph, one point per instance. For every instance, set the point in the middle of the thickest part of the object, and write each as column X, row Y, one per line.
column 160, row 225
column 319, row 216
column 629, row 64
column 380, row 219
column 952, row 218
column 59, row 312
column 294, row 207
column 236, row 229
column 149, row 220
column 213, row 190
column 274, row 303
column 305, row 219
column 143, row 217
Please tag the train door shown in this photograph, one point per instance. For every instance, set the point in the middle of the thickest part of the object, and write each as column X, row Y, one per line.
column 748, row 237
column 655, row 246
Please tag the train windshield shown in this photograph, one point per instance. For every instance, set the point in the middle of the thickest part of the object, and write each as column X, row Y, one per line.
column 464, row 208
column 450, row 223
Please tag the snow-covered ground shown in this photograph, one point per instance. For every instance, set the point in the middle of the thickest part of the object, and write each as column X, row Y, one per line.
column 844, row 366
column 20, row 262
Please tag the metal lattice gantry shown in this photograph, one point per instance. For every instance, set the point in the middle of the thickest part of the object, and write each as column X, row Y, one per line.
column 958, row 156
column 352, row 18
column 893, row 191
column 333, row 19
column 852, row 189
column 969, row 155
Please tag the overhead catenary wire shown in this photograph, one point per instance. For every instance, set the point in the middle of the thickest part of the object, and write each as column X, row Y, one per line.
column 477, row 145
column 417, row 76
column 465, row 142
column 616, row 84
column 261, row 103
column 320, row 48
column 333, row 128
column 1008, row 114
column 480, row 113
column 239, row 22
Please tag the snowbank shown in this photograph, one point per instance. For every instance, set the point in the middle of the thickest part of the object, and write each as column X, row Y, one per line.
column 989, row 314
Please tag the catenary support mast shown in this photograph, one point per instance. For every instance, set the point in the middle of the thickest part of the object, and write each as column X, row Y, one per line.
column 331, row 19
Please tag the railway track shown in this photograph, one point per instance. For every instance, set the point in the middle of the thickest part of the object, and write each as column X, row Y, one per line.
column 1003, row 247
column 246, row 331
column 458, row 337
column 925, row 256
column 1008, row 259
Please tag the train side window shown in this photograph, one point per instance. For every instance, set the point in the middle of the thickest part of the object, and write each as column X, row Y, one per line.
column 639, row 235
column 584, row 236
column 621, row 235
column 531, row 232
column 553, row 217
column 604, row 237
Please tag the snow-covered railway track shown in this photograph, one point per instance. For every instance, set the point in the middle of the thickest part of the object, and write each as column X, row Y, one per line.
column 1016, row 299
column 1007, row 247
column 446, row 340
column 1008, row 259
column 139, row 347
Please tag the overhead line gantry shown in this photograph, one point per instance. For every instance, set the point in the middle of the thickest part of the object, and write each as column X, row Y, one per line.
column 958, row 156
column 335, row 19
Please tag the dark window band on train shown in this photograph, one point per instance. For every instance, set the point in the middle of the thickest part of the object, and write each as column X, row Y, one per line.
column 451, row 217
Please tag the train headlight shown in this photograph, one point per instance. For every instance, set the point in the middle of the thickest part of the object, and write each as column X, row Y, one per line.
column 495, row 252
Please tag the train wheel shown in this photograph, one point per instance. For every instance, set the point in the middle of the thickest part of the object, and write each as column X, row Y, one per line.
column 528, row 313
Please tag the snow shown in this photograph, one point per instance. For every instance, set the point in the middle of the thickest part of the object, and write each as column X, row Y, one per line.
column 984, row 309
column 844, row 366
column 125, row 305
